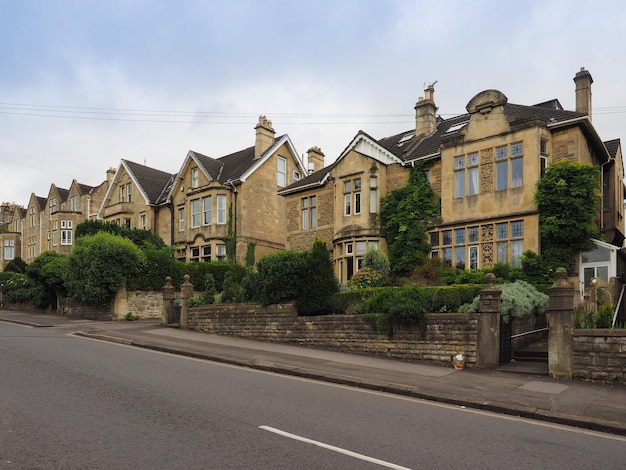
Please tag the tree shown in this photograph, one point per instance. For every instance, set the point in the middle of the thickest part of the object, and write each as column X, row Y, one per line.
column 49, row 270
column 99, row 264
column 568, row 197
column 406, row 213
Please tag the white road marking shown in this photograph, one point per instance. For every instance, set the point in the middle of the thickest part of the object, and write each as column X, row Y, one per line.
column 356, row 455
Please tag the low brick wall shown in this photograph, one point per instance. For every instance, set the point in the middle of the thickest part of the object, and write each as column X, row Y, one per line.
column 447, row 334
column 599, row 355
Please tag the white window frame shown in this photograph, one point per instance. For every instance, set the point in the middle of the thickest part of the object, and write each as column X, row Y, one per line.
column 195, row 212
column 281, row 171
column 181, row 219
column 207, row 210
column 194, row 177
column 221, row 209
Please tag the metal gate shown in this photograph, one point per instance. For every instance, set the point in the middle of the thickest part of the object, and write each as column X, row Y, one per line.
column 505, row 342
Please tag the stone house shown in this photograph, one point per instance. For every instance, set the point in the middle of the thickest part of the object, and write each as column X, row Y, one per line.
column 484, row 165
column 134, row 196
column 213, row 200
column 10, row 230
column 48, row 224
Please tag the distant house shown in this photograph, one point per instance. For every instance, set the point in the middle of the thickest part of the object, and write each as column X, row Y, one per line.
column 234, row 197
column 484, row 165
column 10, row 233
column 134, row 196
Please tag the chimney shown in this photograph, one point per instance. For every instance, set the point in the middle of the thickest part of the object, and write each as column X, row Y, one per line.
column 583, row 82
column 264, row 136
column 425, row 109
column 110, row 175
column 315, row 159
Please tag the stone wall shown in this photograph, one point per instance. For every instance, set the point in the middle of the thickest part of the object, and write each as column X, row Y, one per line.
column 599, row 355
column 146, row 305
column 446, row 335
column 72, row 308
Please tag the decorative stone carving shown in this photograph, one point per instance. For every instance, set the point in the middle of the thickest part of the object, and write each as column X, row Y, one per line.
column 486, row 155
column 487, row 254
column 486, row 178
column 485, row 100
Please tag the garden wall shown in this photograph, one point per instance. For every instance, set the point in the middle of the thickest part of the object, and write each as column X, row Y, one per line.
column 145, row 304
column 447, row 334
column 599, row 355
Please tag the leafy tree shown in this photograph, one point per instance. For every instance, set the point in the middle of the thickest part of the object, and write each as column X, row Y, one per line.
column 406, row 213
column 49, row 270
column 16, row 265
column 568, row 197
column 99, row 264
column 250, row 259
column 315, row 294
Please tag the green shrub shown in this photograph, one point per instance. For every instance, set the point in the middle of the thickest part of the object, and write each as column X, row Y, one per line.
column 379, row 262
column 16, row 265
column 603, row 318
column 304, row 276
column 99, row 264
column 366, row 277
column 519, row 299
column 130, row 316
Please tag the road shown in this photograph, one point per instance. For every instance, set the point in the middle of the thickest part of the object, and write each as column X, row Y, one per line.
column 74, row 403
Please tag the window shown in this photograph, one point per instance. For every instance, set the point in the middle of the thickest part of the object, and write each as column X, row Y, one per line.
column 447, row 256
column 181, row 219
column 282, row 171
column 459, row 236
column 129, row 192
column 459, row 176
column 472, row 173
column 126, row 192
column 221, row 209
column 122, row 193
column 194, row 177
column 516, row 165
column 434, row 239
column 9, row 249
column 472, row 234
column 309, row 212
column 74, row 204
column 207, row 210
column 127, row 223
column 373, row 195
column 195, row 213
column 143, row 221
column 296, row 176
column 206, row 253
column 194, row 255
column 66, row 232
column 514, row 241
column 460, row 257
column 221, row 252
column 352, row 197
column 447, row 237
column 473, row 258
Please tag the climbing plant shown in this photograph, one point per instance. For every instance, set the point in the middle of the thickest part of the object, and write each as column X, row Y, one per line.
column 406, row 213
column 568, row 197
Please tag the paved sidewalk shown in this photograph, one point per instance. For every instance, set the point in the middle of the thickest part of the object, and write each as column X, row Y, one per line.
column 591, row 406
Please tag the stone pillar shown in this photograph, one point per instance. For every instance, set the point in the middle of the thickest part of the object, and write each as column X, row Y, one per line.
column 560, row 325
column 186, row 292
column 120, row 303
column 168, row 300
column 488, row 341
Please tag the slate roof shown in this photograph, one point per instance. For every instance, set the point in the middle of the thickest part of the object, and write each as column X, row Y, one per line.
column 229, row 167
column 152, row 182
column 63, row 193
column 409, row 147
column 612, row 146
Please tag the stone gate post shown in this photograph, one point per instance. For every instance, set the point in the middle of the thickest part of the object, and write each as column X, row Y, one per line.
column 560, row 325
column 488, row 342
column 186, row 292
column 168, row 300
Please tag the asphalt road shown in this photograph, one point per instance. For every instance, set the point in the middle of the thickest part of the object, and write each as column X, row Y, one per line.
column 73, row 403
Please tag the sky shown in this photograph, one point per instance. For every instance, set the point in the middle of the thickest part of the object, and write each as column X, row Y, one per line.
column 86, row 83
